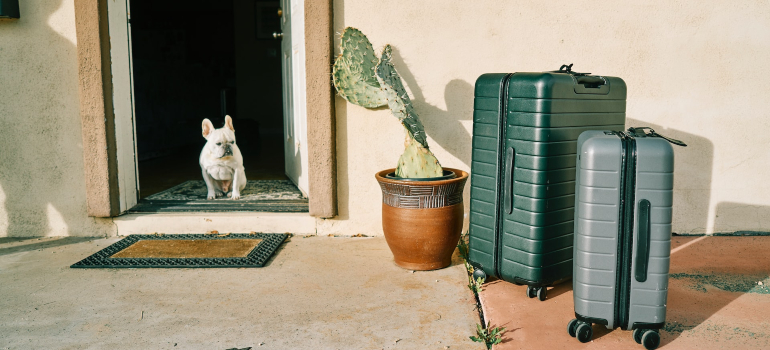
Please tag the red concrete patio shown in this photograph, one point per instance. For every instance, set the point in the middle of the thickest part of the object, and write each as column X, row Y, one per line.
column 715, row 301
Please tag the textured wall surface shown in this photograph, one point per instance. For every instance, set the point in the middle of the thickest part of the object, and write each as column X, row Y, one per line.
column 42, row 183
column 693, row 69
column 96, row 111
column 694, row 72
column 322, row 170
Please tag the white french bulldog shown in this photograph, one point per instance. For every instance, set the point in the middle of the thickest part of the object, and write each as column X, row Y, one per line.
column 221, row 161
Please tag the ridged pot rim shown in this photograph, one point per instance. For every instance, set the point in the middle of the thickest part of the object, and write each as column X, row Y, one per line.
column 461, row 176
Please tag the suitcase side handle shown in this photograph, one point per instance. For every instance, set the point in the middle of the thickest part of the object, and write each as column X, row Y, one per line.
column 510, row 155
column 643, row 241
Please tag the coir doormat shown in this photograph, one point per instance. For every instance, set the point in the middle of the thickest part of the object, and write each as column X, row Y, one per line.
column 187, row 250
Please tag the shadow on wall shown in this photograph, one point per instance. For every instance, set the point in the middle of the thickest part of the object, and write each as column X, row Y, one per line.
column 692, row 178
column 343, row 187
column 41, row 162
column 445, row 127
column 732, row 217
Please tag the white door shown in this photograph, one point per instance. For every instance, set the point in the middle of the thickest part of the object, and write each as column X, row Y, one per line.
column 294, row 111
column 119, row 15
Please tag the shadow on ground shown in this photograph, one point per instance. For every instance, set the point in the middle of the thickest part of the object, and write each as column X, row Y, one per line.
column 715, row 301
column 39, row 243
column 710, row 273
column 316, row 293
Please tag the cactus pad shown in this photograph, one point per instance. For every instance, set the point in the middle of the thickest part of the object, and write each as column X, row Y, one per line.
column 398, row 100
column 362, row 79
column 353, row 71
column 418, row 162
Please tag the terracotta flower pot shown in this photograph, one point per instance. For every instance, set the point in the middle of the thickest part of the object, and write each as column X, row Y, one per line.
column 422, row 220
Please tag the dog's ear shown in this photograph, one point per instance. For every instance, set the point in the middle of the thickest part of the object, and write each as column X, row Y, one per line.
column 229, row 123
column 207, row 128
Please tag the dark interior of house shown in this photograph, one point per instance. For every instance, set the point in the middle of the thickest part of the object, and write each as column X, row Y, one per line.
column 196, row 59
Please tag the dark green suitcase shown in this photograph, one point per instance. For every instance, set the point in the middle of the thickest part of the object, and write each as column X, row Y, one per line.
column 525, row 130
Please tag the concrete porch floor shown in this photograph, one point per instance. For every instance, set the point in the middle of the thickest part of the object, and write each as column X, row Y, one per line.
column 316, row 293
column 714, row 302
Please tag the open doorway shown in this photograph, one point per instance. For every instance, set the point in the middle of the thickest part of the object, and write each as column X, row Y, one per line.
column 196, row 59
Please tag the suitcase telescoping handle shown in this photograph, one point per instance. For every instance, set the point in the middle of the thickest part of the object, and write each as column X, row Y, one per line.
column 652, row 133
column 510, row 155
column 582, row 78
column 643, row 241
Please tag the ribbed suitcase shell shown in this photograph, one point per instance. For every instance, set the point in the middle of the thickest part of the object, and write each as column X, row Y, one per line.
column 532, row 120
column 598, row 234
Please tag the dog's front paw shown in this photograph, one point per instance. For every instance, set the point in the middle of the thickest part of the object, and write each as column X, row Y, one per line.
column 235, row 195
column 211, row 195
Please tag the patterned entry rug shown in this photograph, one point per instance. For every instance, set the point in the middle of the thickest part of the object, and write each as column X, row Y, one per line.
column 187, row 250
column 259, row 195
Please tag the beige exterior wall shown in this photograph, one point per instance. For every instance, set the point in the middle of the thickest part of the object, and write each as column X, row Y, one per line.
column 694, row 72
column 42, row 183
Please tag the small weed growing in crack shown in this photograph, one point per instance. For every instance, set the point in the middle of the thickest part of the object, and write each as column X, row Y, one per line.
column 462, row 246
column 488, row 335
column 473, row 285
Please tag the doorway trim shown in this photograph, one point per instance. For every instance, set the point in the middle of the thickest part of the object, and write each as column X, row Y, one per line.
column 96, row 111
column 102, row 164
column 319, row 97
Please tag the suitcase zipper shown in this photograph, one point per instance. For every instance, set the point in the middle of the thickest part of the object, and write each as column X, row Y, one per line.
column 625, row 229
column 503, row 118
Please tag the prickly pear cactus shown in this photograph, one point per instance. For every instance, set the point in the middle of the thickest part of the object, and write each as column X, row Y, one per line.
column 362, row 79
column 417, row 161
column 398, row 100
column 353, row 71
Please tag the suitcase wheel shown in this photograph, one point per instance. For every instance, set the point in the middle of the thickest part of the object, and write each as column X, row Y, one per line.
column 572, row 327
column 584, row 332
column 650, row 339
column 638, row 335
column 531, row 292
column 539, row 292
column 479, row 273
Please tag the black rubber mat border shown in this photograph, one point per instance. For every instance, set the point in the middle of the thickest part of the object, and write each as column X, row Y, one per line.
column 256, row 258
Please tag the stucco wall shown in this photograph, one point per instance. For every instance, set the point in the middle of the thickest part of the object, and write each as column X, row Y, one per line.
column 42, row 185
column 694, row 72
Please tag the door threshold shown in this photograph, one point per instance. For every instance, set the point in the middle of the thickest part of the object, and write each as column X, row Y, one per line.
column 223, row 222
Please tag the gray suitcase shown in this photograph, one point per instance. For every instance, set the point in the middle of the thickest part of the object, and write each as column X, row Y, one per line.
column 623, row 201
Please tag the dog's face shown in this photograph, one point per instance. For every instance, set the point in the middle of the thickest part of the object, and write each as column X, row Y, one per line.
column 220, row 142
